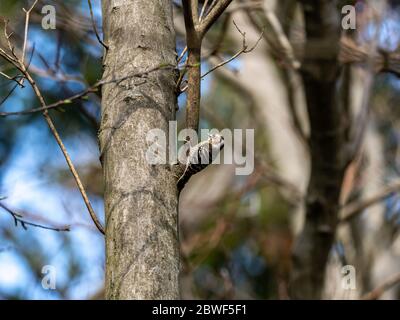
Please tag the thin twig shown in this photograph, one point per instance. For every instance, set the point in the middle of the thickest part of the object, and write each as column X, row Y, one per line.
column 83, row 93
column 281, row 47
column 94, row 25
column 203, row 10
column 352, row 209
column 18, row 63
column 15, row 79
column 245, row 49
column 381, row 60
column 279, row 42
column 13, row 56
column 220, row 39
column 213, row 15
column 18, row 218
column 54, row 105
column 214, row 51
column 65, row 153
column 282, row 39
column 294, row 85
column 58, row 52
column 27, row 16
column 182, row 54
column 8, row 94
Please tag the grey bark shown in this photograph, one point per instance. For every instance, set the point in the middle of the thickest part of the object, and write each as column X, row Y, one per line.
column 142, row 252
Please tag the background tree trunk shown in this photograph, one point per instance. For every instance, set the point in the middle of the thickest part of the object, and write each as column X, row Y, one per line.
column 320, row 73
column 142, row 253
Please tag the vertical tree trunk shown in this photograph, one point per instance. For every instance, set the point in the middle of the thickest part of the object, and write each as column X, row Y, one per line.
column 142, row 252
column 320, row 72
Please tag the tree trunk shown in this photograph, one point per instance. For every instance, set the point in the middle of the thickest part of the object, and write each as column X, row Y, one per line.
column 320, row 72
column 142, row 252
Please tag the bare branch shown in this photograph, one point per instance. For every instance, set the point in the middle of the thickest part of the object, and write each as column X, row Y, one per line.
column 19, row 64
column 182, row 54
column 282, row 40
column 352, row 209
column 245, row 49
column 54, row 105
column 193, row 40
column 8, row 94
column 27, row 16
column 270, row 174
column 203, row 10
column 196, row 28
column 18, row 219
column 279, row 41
column 94, row 25
column 294, row 87
column 65, row 153
column 381, row 60
column 213, row 15
column 83, row 93
column 7, row 36
column 220, row 38
column 282, row 50
column 16, row 79
column 379, row 291
column 193, row 6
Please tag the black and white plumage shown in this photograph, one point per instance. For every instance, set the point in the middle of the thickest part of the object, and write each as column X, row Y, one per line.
column 200, row 156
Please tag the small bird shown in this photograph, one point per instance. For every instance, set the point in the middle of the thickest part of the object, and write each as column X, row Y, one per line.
column 200, row 156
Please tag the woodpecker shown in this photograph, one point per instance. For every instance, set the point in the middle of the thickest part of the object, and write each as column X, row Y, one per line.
column 200, row 156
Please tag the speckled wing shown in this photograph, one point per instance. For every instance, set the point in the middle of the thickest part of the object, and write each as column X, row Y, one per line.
column 199, row 158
